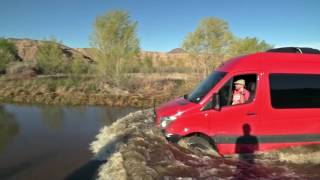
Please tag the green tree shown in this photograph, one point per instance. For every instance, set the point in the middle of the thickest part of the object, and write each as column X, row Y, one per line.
column 247, row 45
column 116, row 44
column 8, row 53
column 147, row 64
column 208, row 44
column 79, row 65
column 50, row 59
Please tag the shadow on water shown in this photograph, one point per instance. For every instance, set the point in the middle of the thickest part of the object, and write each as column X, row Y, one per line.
column 87, row 171
column 10, row 172
column 8, row 127
column 246, row 146
column 90, row 169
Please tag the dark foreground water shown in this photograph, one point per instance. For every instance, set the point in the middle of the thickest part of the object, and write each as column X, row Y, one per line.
column 50, row 142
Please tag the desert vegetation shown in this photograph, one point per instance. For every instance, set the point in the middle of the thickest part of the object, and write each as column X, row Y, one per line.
column 8, row 54
column 115, row 67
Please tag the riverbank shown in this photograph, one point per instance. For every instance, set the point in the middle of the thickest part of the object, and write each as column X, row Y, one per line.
column 138, row 92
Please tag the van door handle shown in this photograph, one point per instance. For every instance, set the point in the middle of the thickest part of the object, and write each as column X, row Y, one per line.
column 251, row 113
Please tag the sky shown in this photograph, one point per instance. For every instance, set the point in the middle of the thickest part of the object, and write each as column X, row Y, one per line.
column 163, row 24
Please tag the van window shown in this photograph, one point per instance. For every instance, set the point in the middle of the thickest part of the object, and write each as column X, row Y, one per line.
column 227, row 91
column 295, row 90
column 205, row 86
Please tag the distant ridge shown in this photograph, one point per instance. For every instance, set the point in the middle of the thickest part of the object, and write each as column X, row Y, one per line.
column 176, row 51
column 27, row 49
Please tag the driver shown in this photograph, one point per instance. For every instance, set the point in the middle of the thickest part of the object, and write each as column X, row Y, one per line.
column 240, row 94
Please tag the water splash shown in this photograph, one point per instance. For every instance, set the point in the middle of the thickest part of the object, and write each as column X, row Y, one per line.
column 135, row 149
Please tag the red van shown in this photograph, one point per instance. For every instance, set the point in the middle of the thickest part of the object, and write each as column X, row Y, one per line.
column 283, row 107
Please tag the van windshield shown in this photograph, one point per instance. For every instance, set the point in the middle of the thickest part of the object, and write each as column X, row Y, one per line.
column 205, row 86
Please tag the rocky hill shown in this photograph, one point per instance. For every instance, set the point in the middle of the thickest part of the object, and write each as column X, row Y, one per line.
column 177, row 51
column 27, row 49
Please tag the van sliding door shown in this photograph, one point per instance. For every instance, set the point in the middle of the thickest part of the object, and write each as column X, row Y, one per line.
column 294, row 112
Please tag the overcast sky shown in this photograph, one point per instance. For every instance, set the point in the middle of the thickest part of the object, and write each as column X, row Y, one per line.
column 163, row 24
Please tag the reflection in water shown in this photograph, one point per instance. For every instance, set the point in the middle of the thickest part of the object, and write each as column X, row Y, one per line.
column 51, row 141
column 109, row 115
column 53, row 117
column 8, row 127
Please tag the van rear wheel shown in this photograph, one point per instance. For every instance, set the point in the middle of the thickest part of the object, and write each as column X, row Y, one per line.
column 198, row 144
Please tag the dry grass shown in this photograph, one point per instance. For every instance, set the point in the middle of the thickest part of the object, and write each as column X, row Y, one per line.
column 140, row 91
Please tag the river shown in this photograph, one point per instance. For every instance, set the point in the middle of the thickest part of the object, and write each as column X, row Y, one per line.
column 49, row 142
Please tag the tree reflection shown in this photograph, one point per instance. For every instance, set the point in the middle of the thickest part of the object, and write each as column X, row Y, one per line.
column 8, row 127
column 109, row 115
column 53, row 117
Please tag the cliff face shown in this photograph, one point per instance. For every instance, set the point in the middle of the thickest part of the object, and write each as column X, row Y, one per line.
column 26, row 48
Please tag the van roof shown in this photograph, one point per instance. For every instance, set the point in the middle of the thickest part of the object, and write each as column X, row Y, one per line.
column 271, row 61
column 301, row 50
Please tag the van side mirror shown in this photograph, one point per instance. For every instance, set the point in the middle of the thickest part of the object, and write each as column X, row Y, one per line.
column 185, row 96
column 216, row 102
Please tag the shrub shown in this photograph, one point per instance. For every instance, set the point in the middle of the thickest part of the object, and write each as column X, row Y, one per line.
column 147, row 65
column 79, row 66
column 8, row 53
column 17, row 68
column 50, row 59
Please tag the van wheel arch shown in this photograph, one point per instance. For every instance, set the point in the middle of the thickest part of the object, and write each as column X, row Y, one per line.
column 199, row 142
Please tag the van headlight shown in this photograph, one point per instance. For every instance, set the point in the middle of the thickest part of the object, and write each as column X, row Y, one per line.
column 165, row 121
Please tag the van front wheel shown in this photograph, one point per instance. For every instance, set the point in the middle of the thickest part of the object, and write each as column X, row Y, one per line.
column 198, row 144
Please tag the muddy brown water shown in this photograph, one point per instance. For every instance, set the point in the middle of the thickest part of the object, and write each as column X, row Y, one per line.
column 58, row 142
column 50, row 142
